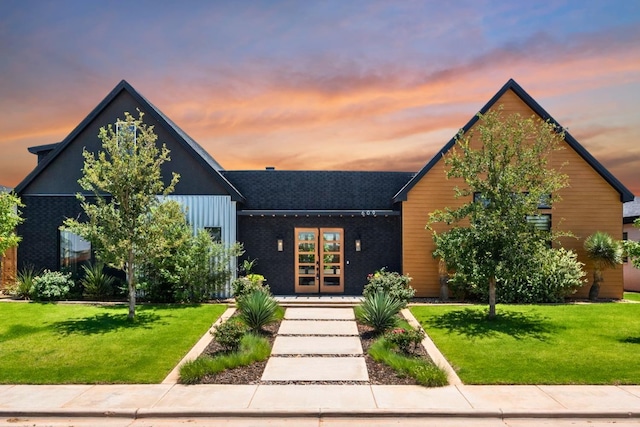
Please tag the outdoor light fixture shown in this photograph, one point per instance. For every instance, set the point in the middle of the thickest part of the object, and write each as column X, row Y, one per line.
column 358, row 245
column 280, row 245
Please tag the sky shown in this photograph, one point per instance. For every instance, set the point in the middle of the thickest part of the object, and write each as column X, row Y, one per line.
column 324, row 84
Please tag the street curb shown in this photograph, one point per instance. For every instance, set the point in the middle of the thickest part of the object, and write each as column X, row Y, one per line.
column 319, row 413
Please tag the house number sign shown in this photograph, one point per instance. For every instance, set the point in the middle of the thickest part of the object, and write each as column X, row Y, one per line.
column 368, row 213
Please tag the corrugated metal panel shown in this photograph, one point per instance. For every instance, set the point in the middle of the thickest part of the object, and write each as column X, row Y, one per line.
column 211, row 211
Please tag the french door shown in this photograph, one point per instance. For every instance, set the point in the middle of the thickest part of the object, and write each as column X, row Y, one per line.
column 319, row 260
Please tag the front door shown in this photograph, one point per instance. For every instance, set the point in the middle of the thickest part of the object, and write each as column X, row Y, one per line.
column 319, row 260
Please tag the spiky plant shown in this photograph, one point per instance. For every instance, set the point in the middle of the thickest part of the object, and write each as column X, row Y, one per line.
column 605, row 252
column 379, row 310
column 257, row 309
column 97, row 284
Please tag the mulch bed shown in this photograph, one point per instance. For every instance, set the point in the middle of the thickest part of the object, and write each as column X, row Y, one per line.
column 379, row 373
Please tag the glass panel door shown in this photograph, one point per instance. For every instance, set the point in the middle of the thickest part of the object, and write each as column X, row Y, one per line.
column 307, row 278
column 331, row 277
column 319, row 260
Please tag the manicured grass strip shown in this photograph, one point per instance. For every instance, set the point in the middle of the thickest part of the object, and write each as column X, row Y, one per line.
column 252, row 349
column 85, row 344
column 632, row 296
column 538, row 344
column 423, row 372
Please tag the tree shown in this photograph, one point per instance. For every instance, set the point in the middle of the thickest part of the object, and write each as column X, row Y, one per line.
column 605, row 253
column 9, row 220
column 506, row 176
column 632, row 248
column 123, row 226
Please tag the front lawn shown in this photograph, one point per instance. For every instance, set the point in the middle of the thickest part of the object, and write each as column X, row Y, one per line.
column 538, row 344
column 85, row 344
column 632, row 296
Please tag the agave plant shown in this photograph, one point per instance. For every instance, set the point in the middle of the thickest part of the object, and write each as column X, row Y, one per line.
column 97, row 284
column 257, row 309
column 379, row 310
column 605, row 253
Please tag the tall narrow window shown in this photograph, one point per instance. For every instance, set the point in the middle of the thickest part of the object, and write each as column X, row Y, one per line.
column 74, row 251
column 625, row 236
column 122, row 131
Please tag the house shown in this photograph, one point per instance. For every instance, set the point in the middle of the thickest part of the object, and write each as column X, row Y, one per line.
column 318, row 232
column 8, row 260
column 592, row 201
column 631, row 212
column 49, row 191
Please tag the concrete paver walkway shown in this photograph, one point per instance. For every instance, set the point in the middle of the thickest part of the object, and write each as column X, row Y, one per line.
column 315, row 332
column 298, row 401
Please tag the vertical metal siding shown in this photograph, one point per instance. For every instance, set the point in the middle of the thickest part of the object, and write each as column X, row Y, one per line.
column 212, row 211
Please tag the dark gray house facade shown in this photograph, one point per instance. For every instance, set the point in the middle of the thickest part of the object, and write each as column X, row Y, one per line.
column 311, row 231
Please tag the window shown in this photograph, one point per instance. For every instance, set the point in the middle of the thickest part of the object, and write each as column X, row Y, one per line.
column 121, row 131
column 545, row 202
column 540, row 222
column 478, row 198
column 215, row 233
column 74, row 252
column 625, row 236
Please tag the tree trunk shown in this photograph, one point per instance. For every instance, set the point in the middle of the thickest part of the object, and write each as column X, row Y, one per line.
column 132, row 288
column 492, row 297
column 595, row 287
column 444, row 280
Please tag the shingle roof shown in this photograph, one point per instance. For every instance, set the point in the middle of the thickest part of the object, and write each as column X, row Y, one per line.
column 631, row 209
column 317, row 190
column 625, row 194
column 188, row 143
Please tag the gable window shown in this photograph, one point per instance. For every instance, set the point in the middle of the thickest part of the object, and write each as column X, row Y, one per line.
column 74, row 251
column 122, row 129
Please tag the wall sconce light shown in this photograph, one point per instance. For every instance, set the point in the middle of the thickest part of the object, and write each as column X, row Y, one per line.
column 358, row 245
column 280, row 245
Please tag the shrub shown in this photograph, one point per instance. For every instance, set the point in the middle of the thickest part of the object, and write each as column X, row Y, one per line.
column 51, row 285
column 405, row 340
column 97, row 284
column 243, row 286
column 257, row 309
column 392, row 283
column 379, row 310
column 549, row 276
column 229, row 334
column 23, row 287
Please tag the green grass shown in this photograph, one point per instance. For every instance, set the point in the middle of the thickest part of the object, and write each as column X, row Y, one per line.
column 423, row 372
column 252, row 349
column 632, row 296
column 85, row 344
column 538, row 344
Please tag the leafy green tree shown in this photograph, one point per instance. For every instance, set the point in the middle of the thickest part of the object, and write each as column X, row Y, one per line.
column 9, row 220
column 122, row 226
column 631, row 249
column 605, row 253
column 506, row 175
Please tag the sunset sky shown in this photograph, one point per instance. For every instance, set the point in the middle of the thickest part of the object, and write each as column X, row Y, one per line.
column 337, row 85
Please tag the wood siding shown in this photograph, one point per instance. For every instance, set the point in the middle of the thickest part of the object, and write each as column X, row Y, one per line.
column 9, row 267
column 589, row 204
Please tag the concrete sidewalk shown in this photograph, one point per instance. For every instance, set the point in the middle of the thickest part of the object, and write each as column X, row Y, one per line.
column 160, row 400
column 317, row 344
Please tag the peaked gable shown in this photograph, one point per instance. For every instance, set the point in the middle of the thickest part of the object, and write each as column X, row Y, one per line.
column 196, row 152
column 625, row 194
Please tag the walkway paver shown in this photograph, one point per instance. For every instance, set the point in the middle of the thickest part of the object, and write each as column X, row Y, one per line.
column 315, row 369
column 315, row 313
column 317, row 345
column 317, row 327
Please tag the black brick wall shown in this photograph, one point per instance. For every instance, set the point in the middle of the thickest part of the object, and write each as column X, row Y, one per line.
column 381, row 247
column 43, row 216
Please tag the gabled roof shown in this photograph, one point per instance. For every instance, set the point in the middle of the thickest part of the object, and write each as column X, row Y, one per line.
column 185, row 140
column 625, row 194
column 41, row 148
column 275, row 190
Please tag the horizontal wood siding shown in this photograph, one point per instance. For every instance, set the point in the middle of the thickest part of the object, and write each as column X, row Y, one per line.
column 8, row 269
column 589, row 204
